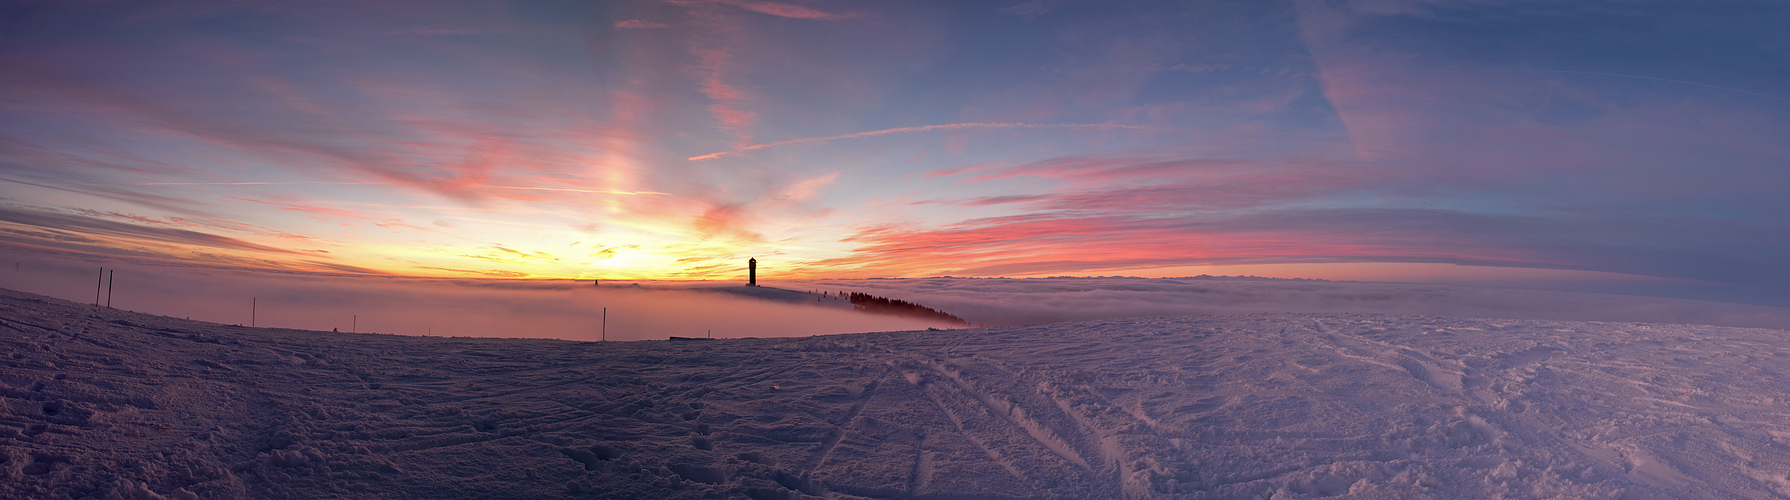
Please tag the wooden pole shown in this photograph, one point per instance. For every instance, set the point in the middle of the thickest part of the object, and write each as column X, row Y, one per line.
column 605, row 324
column 109, row 280
column 254, row 304
column 96, row 286
column 354, row 324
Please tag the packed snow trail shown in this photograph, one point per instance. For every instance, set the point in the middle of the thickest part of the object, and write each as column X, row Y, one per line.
column 104, row 403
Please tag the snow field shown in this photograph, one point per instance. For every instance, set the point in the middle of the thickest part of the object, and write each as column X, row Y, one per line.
column 106, row 403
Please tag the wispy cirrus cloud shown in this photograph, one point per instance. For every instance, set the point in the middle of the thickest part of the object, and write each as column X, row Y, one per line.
column 778, row 9
column 80, row 224
column 316, row 210
column 1035, row 244
column 436, row 31
column 639, row 24
column 931, row 128
column 716, row 51
column 573, row 190
column 256, row 183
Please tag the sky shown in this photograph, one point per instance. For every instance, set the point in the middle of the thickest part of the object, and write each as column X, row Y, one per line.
column 1636, row 145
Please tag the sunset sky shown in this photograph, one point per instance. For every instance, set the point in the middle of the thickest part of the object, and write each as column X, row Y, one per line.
column 1367, row 139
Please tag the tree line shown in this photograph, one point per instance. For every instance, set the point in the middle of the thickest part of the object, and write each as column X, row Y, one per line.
column 880, row 305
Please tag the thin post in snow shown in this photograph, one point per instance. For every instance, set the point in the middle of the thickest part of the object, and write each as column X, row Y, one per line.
column 110, row 278
column 354, row 324
column 254, row 305
column 605, row 324
column 96, row 286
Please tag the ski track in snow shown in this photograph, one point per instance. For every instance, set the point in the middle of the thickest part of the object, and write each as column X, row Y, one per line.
column 113, row 404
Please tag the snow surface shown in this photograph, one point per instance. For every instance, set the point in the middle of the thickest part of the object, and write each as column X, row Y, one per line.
column 112, row 404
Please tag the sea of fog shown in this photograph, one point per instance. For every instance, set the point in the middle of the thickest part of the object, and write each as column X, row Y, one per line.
column 997, row 302
column 560, row 309
column 644, row 310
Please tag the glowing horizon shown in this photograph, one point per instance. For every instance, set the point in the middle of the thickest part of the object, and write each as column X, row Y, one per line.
column 673, row 140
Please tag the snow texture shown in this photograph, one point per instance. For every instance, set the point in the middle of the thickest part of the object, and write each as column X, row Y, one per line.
column 110, row 404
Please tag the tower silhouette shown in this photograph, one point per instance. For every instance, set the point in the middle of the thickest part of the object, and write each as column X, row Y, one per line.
column 752, row 272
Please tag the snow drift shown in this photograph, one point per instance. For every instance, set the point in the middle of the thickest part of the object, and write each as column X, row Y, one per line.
column 106, row 403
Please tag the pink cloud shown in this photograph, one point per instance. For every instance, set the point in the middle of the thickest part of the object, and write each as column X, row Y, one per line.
column 1033, row 8
column 778, row 9
column 790, row 11
column 316, row 211
column 932, row 128
column 1029, row 244
column 960, row 170
column 436, row 31
column 715, row 52
column 726, row 221
column 638, row 24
